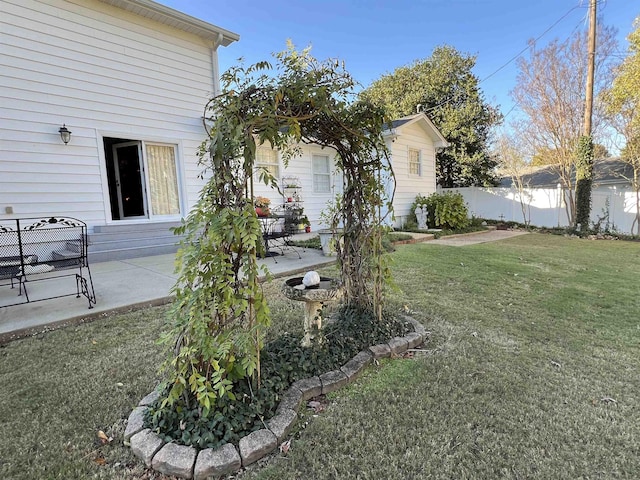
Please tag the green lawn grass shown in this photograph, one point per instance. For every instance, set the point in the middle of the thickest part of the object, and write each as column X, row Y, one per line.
column 532, row 371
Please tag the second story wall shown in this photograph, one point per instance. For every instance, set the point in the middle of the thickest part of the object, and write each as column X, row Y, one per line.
column 104, row 72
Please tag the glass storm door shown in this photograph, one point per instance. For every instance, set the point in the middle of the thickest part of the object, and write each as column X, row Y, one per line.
column 129, row 176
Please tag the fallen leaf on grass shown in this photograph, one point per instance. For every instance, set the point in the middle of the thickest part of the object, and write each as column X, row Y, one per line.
column 316, row 406
column 100, row 461
column 103, row 437
column 285, row 446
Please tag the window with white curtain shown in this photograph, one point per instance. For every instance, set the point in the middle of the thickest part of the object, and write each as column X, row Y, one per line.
column 267, row 158
column 414, row 162
column 321, row 170
column 163, row 179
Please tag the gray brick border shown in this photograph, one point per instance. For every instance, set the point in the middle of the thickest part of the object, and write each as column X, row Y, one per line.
column 381, row 350
column 310, row 387
column 176, row 460
column 145, row 444
column 135, row 423
column 332, row 381
column 358, row 363
column 282, row 422
column 257, row 445
column 187, row 462
column 398, row 345
column 218, row 462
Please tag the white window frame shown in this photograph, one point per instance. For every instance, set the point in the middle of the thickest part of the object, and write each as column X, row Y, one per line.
column 261, row 155
column 411, row 164
column 317, row 175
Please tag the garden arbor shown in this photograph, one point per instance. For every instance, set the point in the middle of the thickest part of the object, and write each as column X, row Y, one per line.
column 220, row 312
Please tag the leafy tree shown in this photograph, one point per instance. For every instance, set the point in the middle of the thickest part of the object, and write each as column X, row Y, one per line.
column 550, row 92
column 444, row 87
column 622, row 102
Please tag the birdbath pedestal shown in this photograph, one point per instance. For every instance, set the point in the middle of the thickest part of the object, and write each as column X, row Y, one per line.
column 314, row 298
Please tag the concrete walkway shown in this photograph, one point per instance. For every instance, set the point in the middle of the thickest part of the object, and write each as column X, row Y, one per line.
column 476, row 237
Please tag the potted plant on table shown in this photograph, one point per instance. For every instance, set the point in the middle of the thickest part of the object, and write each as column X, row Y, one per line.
column 262, row 206
column 305, row 224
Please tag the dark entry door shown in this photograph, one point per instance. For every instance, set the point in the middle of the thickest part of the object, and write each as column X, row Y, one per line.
column 129, row 176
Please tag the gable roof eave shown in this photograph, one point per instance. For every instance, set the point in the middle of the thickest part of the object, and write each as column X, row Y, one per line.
column 395, row 128
column 173, row 18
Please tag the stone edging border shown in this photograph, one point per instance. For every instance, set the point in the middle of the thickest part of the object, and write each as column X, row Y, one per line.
column 187, row 462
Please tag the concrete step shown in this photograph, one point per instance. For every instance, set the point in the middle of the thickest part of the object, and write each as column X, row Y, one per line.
column 122, row 242
column 109, row 236
column 135, row 227
column 132, row 252
column 65, row 258
column 74, row 246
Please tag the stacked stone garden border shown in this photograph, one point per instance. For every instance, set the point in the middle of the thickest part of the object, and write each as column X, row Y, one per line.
column 187, row 462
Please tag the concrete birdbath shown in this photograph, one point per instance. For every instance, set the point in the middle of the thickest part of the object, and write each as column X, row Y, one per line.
column 314, row 297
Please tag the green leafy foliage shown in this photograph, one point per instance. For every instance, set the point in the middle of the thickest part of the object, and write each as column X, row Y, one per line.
column 220, row 313
column 284, row 361
column 622, row 104
column 584, row 181
column 313, row 242
column 445, row 88
column 446, row 210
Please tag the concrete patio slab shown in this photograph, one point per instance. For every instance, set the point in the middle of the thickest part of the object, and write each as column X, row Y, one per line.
column 118, row 285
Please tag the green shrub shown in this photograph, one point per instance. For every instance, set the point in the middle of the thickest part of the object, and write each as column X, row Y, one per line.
column 313, row 242
column 446, row 210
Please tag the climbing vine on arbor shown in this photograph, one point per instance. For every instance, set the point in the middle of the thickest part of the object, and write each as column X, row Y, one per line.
column 220, row 313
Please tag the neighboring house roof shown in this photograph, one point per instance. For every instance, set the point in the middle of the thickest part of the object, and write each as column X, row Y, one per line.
column 396, row 126
column 605, row 171
column 168, row 16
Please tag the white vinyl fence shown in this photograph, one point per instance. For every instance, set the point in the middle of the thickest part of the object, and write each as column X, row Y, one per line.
column 545, row 207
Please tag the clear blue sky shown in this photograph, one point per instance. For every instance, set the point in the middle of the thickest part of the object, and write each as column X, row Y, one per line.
column 375, row 37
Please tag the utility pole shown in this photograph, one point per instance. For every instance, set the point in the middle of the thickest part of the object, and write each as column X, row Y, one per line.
column 588, row 107
column 584, row 164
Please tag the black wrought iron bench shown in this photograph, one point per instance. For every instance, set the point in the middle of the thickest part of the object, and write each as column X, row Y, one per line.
column 44, row 249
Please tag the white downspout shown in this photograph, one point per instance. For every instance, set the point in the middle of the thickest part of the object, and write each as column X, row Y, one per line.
column 215, row 69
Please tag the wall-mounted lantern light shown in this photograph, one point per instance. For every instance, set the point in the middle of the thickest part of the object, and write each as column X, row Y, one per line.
column 65, row 134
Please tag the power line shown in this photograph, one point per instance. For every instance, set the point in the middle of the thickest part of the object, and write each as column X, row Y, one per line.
column 529, row 46
column 518, row 55
column 567, row 37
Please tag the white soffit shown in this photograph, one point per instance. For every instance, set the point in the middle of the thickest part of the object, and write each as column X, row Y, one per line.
column 174, row 18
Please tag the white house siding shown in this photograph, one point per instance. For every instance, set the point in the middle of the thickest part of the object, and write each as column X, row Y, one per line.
column 103, row 72
column 300, row 167
column 409, row 186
